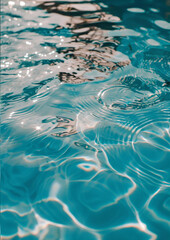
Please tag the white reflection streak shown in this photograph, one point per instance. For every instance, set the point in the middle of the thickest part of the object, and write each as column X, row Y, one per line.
column 87, row 167
column 67, row 211
column 54, row 189
column 151, row 211
column 141, row 226
column 11, row 114
column 83, row 124
column 132, row 189
column 15, row 211
column 42, row 224
column 151, row 197
column 152, row 176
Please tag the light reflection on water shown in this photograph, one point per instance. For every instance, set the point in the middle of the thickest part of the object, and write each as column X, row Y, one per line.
column 85, row 118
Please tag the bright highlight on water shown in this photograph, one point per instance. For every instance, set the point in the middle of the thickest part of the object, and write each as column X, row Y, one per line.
column 85, row 120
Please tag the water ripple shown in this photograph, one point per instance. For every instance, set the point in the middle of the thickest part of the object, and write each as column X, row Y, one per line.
column 85, row 120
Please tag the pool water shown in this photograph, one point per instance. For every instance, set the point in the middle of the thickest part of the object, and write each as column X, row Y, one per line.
column 85, row 120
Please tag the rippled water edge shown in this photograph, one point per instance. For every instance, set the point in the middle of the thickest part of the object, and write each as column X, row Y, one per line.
column 85, row 154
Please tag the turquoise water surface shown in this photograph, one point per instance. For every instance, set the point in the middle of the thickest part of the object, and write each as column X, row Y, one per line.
column 85, row 120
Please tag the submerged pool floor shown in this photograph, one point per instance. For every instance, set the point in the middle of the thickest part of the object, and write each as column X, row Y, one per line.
column 85, row 120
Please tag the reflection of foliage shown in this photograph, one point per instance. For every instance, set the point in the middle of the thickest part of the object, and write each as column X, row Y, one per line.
column 85, row 146
column 90, row 49
column 68, row 124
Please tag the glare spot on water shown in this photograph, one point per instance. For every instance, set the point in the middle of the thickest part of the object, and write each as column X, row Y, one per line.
column 103, row 5
column 136, row 10
column 28, row 43
column 162, row 24
column 11, row 114
column 11, row 3
column 142, row 28
column 87, row 167
column 51, row 52
column 38, row 128
column 154, row 10
column 22, row 4
column 153, row 42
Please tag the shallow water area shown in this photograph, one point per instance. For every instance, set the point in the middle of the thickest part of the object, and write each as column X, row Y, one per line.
column 85, row 120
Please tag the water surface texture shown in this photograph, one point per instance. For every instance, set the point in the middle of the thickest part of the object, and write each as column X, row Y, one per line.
column 85, row 120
